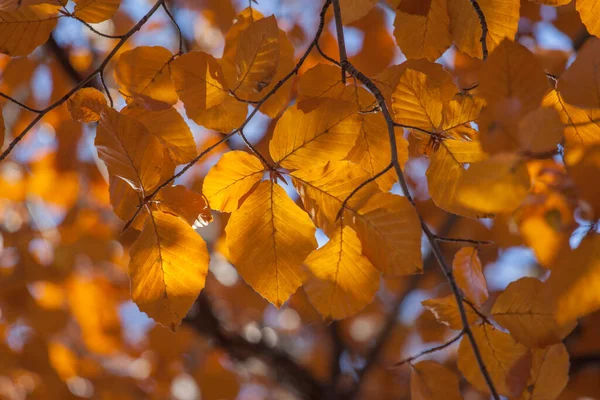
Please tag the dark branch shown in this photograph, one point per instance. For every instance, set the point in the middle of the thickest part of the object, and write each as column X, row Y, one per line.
column 484, row 27
column 339, row 27
column 429, row 351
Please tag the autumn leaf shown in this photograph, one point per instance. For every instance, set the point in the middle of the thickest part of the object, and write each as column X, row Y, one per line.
column 86, row 105
column 26, row 28
column 269, row 230
column 303, row 140
column 168, row 267
column 143, row 74
column 230, row 179
column 446, row 312
column 190, row 206
column 341, row 281
column 201, row 86
column 353, row 10
column 507, row 361
column 549, row 373
column 431, row 381
column 94, row 11
column 469, row 276
column 525, row 309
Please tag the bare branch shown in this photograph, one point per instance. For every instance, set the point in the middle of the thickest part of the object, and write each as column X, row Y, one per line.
column 484, row 27
column 17, row 102
column 460, row 240
column 340, row 37
column 429, row 351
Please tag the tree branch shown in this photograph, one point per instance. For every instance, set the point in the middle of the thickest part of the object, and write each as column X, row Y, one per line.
column 484, row 27
column 429, row 351
column 339, row 27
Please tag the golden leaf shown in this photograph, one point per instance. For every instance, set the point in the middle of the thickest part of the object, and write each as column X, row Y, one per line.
column 94, row 11
column 507, row 361
column 502, row 19
column 190, row 206
column 468, row 273
column 268, row 238
column 575, row 280
column 201, row 86
column 423, row 34
column 86, row 105
column 353, row 10
column 415, row 102
column 584, row 166
column 168, row 267
column 230, row 179
column 341, row 280
column 430, row 380
column 540, row 130
column 307, row 139
column 580, row 84
column 143, row 74
column 257, row 56
column 26, row 28
column 549, row 373
column 498, row 184
column 589, row 11
column 446, row 312
column 526, row 310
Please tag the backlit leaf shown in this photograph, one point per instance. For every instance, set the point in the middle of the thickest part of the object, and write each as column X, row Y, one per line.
column 580, row 84
column 507, row 361
column 432, row 381
column 469, row 275
column 307, row 139
column 168, row 267
column 498, row 184
column 94, row 11
column 526, row 310
column 341, row 281
column 589, row 11
column 268, row 238
column 190, row 206
column 201, row 86
column 230, row 179
column 143, row 74
column 549, row 373
column 86, row 105
column 26, row 28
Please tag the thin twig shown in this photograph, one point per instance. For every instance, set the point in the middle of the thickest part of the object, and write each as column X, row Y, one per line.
column 177, row 27
column 437, row 252
column 83, row 82
column 460, row 240
column 105, row 86
column 325, row 56
column 362, row 185
column 255, row 151
column 17, row 102
column 484, row 27
column 476, row 311
column 416, row 128
column 65, row 12
column 429, row 351
column 339, row 27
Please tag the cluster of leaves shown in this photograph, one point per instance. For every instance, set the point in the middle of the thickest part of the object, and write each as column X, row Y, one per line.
column 371, row 155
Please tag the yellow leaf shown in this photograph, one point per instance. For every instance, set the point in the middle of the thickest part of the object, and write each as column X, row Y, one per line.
column 498, row 184
column 390, row 230
column 430, row 380
column 325, row 187
column 342, row 281
column 26, row 28
column 502, row 18
column 94, row 11
column 513, row 71
column 129, row 151
column 549, row 373
column 415, row 102
column 327, row 133
column 540, row 131
column 589, row 11
column 372, row 149
column 268, row 238
column 324, row 81
column 446, row 171
column 437, row 77
column 201, row 86
column 582, row 127
column 584, row 168
column 170, row 128
column 580, row 84
column 188, row 205
column 168, row 267
column 353, row 10
column 575, row 280
column 446, row 312
column 469, row 275
column 86, row 105
column 423, row 32
column 230, row 179
column 257, row 56
column 526, row 310
column 507, row 361
column 242, row 21
column 143, row 74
